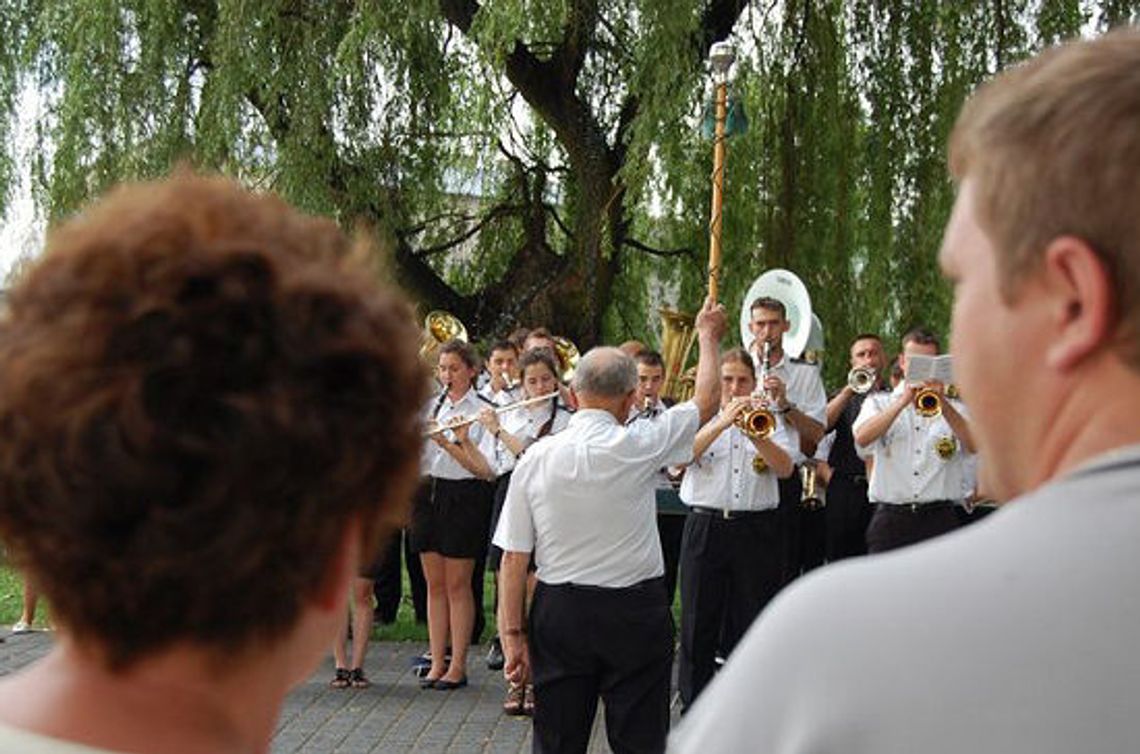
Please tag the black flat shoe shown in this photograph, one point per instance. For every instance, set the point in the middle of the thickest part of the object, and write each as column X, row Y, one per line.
column 428, row 683
column 442, row 685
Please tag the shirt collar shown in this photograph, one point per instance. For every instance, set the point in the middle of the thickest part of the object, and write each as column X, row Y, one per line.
column 593, row 416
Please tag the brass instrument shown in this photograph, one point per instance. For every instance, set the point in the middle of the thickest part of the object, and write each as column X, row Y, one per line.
column 677, row 336
column 814, row 495
column 861, row 379
column 440, row 327
column 568, row 357
column 758, row 422
column 437, row 427
column 928, row 403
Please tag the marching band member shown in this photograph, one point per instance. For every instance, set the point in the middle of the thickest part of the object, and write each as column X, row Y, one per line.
column 797, row 393
column 848, row 511
column 502, row 386
column 731, row 561
column 919, row 462
column 582, row 502
column 648, row 406
column 515, row 431
column 452, row 513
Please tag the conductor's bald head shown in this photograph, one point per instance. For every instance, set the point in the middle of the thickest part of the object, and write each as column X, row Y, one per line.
column 606, row 378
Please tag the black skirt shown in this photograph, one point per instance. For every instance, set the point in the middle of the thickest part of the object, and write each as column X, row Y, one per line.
column 452, row 517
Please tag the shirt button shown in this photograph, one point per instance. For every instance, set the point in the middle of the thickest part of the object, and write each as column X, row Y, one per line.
column 916, row 473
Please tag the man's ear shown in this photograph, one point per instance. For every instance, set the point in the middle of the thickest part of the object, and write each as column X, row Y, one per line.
column 1079, row 303
column 340, row 570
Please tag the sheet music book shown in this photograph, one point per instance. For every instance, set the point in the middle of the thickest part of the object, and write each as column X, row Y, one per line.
column 933, row 368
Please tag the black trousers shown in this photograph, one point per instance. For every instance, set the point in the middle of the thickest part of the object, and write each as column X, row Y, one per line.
column 730, row 569
column 848, row 516
column 388, row 587
column 670, row 530
column 790, row 518
column 894, row 526
column 587, row 642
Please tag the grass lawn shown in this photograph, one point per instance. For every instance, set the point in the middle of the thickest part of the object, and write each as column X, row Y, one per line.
column 404, row 629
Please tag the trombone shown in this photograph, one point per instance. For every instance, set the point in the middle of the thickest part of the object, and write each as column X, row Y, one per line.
column 464, row 421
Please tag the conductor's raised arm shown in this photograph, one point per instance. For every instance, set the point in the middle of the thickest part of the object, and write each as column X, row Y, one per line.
column 711, row 324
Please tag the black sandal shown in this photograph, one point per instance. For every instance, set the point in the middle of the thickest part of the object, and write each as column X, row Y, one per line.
column 357, row 679
column 342, row 679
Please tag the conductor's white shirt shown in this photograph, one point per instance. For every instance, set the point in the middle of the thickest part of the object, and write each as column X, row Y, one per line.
column 583, row 500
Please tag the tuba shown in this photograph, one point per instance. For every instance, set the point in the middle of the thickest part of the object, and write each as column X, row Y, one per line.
column 788, row 289
column 440, row 327
column 677, row 335
column 568, row 357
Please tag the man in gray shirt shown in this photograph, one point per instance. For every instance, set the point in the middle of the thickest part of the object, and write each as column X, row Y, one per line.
column 1016, row 634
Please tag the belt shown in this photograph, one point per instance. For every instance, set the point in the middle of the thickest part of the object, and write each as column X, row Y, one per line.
column 726, row 514
column 929, row 507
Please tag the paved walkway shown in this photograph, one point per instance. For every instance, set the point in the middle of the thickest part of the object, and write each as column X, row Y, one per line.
column 393, row 716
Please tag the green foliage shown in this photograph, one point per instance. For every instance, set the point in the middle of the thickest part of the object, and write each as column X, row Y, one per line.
column 530, row 160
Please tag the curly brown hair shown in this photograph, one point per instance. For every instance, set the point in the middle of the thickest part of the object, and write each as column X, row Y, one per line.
column 200, row 389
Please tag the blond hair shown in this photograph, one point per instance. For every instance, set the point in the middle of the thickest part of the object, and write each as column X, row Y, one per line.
column 1052, row 147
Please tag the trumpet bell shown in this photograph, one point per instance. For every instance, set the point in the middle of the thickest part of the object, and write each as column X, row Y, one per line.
column 756, row 422
column 927, row 403
column 861, row 380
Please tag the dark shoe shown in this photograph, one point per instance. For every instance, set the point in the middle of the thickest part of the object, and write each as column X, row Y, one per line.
column 357, row 680
column 428, row 683
column 341, row 680
column 442, row 685
column 495, row 657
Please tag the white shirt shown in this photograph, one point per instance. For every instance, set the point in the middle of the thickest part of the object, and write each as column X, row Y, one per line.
column 636, row 414
column 502, row 397
column 583, row 500
column 1015, row 635
column 803, row 386
column 435, row 461
column 723, row 476
column 908, row 466
column 525, row 424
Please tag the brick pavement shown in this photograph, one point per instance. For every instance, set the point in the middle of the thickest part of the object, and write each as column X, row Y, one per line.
column 393, row 716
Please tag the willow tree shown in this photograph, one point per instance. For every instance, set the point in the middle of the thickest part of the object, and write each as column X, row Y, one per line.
column 489, row 145
column 540, row 160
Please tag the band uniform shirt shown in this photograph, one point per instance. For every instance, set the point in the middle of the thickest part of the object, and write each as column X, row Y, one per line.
column 918, row 459
column 662, row 480
column 584, row 500
column 503, row 397
column 525, row 424
column 1015, row 634
column 844, row 458
column 435, row 460
column 804, row 387
column 723, row 476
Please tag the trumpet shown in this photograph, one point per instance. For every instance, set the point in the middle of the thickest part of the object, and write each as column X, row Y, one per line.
column 861, row 379
column 464, row 421
column 756, row 422
column 928, row 403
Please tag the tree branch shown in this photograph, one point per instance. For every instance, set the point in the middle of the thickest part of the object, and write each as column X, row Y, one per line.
column 682, row 252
